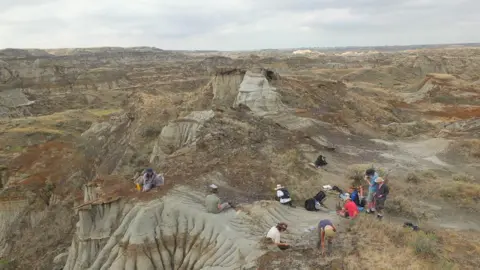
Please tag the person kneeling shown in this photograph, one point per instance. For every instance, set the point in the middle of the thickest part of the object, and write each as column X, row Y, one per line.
column 349, row 209
column 274, row 235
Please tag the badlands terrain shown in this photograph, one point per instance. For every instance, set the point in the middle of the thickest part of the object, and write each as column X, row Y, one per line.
column 78, row 125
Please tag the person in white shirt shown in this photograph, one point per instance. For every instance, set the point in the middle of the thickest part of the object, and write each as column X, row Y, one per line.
column 283, row 195
column 274, row 234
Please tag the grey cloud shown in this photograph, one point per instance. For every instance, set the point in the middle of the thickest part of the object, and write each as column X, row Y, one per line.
column 255, row 24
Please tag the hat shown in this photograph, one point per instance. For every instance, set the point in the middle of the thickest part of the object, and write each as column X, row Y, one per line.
column 344, row 196
column 329, row 232
column 379, row 180
column 149, row 170
column 278, row 187
column 282, row 225
column 213, row 186
column 347, row 197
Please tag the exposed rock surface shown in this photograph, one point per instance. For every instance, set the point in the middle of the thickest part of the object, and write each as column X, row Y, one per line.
column 176, row 233
column 90, row 120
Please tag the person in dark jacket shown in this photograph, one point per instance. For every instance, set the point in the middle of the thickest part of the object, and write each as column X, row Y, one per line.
column 320, row 161
column 380, row 196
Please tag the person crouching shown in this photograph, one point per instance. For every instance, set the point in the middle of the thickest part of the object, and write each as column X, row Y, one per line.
column 283, row 195
column 350, row 209
column 274, row 235
column 327, row 232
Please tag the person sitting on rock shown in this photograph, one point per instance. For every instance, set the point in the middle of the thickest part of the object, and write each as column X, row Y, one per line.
column 326, row 232
column 150, row 180
column 355, row 196
column 283, row 195
column 350, row 209
column 275, row 232
column 381, row 196
column 213, row 203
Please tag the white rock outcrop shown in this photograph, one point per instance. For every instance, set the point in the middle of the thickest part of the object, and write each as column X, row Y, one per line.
column 179, row 133
column 256, row 93
column 262, row 98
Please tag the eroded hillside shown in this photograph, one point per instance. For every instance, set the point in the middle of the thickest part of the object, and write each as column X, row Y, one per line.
column 78, row 125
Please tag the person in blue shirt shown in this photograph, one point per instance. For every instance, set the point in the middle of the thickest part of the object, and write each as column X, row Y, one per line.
column 370, row 176
column 355, row 197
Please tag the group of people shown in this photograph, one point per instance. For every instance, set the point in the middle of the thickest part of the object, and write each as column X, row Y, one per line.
column 353, row 204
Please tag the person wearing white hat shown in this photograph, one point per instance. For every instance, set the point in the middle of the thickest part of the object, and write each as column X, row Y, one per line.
column 283, row 195
column 213, row 203
column 381, row 196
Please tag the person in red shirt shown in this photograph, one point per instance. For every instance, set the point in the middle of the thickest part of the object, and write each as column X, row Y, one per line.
column 349, row 209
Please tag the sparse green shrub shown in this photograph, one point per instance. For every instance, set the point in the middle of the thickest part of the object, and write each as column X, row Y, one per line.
column 463, row 178
column 444, row 264
column 424, row 244
column 151, row 131
column 412, row 178
column 400, row 205
column 357, row 173
column 465, row 194
column 429, row 174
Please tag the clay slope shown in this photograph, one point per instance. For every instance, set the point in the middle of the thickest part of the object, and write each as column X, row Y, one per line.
column 245, row 128
column 175, row 233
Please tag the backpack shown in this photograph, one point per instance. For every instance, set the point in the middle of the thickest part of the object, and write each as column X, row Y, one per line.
column 286, row 194
column 355, row 198
column 310, row 205
column 320, row 196
column 321, row 161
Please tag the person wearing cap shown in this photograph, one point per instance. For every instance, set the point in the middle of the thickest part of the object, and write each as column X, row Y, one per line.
column 370, row 177
column 327, row 232
column 381, row 196
column 150, row 180
column 213, row 203
column 275, row 232
column 283, row 195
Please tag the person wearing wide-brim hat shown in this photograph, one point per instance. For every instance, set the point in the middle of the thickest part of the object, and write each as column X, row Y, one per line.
column 380, row 196
column 283, row 195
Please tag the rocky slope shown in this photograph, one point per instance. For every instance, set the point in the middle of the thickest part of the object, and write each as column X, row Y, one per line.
column 78, row 125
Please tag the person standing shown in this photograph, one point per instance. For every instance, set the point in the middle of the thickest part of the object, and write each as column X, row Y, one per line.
column 381, row 196
column 326, row 232
column 213, row 203
column 370, row 176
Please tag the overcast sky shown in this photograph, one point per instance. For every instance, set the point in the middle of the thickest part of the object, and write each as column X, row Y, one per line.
column 236, row 24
